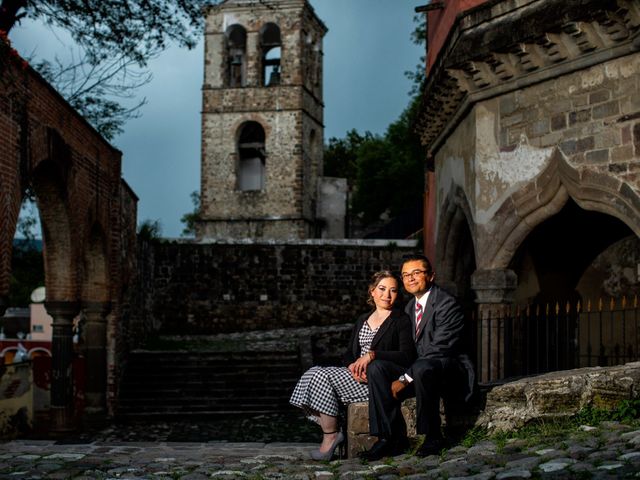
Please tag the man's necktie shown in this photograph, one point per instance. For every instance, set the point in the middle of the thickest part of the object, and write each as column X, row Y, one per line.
column 418, row 316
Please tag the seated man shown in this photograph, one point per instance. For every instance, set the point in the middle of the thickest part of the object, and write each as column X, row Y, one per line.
column 438, row 326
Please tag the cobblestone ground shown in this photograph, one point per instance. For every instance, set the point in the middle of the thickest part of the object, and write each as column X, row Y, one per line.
column 611, row 450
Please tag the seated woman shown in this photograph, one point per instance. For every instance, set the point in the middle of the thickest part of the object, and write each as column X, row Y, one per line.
column 383, row 334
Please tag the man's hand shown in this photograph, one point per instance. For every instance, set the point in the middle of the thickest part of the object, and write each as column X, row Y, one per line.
column 396, row 387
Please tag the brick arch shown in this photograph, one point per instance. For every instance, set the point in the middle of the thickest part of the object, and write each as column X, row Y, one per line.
column 95, row 274
column 59, row 245
column 545, row 196
column 455, row 216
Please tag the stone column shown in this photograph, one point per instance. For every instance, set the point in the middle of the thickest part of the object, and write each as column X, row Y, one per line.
column 95, row 348
column 63, row 314
column 494, row 295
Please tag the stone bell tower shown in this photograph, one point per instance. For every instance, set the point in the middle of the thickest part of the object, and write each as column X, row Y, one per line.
column 262, row 120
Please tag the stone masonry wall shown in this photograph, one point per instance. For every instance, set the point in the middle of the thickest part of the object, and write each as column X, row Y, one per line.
column 592, row 115
column 231, row 287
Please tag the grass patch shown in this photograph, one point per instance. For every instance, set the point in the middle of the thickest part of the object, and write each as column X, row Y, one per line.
column 547, row 432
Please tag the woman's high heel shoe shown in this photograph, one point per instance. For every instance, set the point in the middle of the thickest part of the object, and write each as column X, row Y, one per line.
column 318, row 455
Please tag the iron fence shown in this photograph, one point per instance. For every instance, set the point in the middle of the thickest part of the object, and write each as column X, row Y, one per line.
column 534, row 339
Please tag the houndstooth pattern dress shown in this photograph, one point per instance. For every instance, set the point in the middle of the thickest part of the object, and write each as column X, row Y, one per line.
column 322, row 389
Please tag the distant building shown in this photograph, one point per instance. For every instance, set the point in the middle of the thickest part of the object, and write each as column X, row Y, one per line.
column 262, row 125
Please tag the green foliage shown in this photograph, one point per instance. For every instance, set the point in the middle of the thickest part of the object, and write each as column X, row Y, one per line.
column 116, row 40
column 387, row 172
column 341, row 155
column 190, row 219
column 150, row 230
column 27, row 272
column 626, row 411
column 473, row 436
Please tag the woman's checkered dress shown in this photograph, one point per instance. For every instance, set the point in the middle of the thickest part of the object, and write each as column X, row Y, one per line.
column 322, row 389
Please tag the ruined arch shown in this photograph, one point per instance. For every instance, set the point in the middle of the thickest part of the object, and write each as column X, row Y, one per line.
column 454, row 223
column 58, row 245
column 95, row 278
column 545, row 196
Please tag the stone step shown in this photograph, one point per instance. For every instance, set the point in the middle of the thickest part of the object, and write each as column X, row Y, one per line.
column 166, row 383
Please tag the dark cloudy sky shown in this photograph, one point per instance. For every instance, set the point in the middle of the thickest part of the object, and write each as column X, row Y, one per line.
column 366, row 52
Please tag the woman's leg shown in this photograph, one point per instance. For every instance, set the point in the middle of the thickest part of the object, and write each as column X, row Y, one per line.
column 329, row 425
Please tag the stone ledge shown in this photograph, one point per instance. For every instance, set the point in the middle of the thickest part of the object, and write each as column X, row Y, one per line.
column 559, row 395
column 358, row 438
column 512, row 405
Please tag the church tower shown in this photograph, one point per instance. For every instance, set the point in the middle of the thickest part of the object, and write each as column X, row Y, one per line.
column 262, row 120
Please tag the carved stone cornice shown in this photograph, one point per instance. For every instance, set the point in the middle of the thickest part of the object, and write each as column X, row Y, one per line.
column 506, row 45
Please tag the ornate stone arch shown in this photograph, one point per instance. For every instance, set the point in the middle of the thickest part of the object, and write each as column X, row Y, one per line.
column 547, row 194
column 455, row 214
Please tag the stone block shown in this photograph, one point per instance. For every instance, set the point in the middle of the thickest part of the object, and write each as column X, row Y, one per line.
column 558, row 122
column 538, row 128
column 508, row 104
column 606, row 110
column 597, row 156
column 579, row 116
column 599, row 96
column 625, row 152
column 618, row 167
column 585, row 143
column 358, row 438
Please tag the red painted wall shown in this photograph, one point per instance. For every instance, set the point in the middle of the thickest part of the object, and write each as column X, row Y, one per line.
column 439, row 22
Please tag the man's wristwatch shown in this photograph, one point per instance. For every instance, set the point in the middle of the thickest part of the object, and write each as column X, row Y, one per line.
column 403, row 380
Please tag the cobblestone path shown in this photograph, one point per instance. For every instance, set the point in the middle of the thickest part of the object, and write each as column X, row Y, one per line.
column 611, row 450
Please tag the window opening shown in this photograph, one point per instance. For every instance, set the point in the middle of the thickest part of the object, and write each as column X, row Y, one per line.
column 251, row 153
column 271, row 44
column 236, row 37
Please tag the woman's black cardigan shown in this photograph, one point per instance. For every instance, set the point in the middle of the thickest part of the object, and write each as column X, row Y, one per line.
column 393, row 340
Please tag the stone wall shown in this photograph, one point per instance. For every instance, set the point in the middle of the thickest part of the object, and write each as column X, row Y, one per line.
column 190, row 288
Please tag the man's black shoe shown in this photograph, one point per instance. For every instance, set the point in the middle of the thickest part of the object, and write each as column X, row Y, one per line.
column 430, row 447
column 384, row 447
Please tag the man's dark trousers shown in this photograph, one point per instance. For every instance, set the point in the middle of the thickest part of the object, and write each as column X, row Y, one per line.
column 430, row 378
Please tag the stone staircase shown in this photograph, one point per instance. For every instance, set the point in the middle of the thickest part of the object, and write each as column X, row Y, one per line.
column 175, row 384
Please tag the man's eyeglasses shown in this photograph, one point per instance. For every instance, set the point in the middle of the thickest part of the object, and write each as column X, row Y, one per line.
column 415, row 273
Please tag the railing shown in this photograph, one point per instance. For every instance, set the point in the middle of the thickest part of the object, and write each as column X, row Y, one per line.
column 521, row 341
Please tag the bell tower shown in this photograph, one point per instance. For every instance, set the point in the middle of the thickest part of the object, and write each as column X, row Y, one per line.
column 262, row 120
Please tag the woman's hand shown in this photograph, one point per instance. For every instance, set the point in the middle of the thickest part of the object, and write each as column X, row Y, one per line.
column 359, row 368
column 357, row 374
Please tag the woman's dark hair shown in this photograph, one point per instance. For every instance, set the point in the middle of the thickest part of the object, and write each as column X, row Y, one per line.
column 375, row 280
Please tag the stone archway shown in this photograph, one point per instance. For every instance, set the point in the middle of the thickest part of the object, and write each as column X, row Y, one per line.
column 547, row 195
column 456, row 255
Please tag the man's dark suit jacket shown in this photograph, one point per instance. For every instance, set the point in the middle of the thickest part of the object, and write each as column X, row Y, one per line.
column 441, row 332
column 393, row 340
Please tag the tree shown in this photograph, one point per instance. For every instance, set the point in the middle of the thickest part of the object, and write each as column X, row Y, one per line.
column 150, row 230
column 190, row 219
column 115, row 37
column 386, row 173
column 341, row 154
